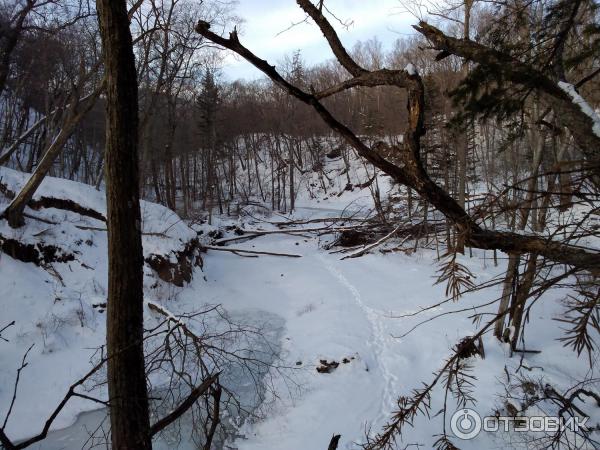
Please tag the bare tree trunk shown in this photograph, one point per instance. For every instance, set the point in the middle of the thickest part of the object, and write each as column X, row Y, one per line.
column 272, row 180
column 15, row 145
column 127, row 390
column 291, row 166
column 519, row 299
column 14, row 212
column 183, row 165
column 155, row 181
column 463, row 141
column 170, row 179
column 507, row 291
column 537, row 141
column 462, row 147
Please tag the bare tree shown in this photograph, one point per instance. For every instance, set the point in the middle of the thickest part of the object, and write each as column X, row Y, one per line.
column 128, row 396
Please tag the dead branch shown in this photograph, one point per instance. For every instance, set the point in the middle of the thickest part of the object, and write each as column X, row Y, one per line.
column 370, row 247
column 252, row 252
column 251, row 234
column 9, row 445
column 5, row 328
column 24, row 364
column 323, row 220
column 185, row 405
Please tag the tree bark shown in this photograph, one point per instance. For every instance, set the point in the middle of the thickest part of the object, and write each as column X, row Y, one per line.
column 128, row 396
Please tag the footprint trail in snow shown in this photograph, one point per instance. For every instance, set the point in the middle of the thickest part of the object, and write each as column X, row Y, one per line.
column 378, row 343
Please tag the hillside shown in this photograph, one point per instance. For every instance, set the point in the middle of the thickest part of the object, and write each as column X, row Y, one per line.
column 330, row 334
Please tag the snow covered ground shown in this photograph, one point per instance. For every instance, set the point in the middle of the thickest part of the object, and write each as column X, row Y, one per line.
column 348, row 309
column 354, row 312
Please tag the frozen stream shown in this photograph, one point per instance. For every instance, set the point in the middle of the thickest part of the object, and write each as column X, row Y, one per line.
column 88, row 430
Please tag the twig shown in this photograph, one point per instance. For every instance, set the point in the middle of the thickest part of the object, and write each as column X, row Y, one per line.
column 215, row 417
column 24, row 364
column 524, row 350
column 4, row 328
column 6, row 442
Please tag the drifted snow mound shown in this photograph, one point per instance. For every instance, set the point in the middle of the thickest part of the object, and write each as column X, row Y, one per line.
column 66, row 223
column 53, row 286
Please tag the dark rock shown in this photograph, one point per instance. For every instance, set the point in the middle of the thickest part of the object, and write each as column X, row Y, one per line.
column 181, row 271
column 327, row 367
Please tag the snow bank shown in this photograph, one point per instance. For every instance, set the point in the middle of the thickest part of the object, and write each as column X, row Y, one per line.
column 60, row 307
column 583, row 105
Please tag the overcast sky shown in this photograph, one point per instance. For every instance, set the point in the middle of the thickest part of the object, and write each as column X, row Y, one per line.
column 264, row 19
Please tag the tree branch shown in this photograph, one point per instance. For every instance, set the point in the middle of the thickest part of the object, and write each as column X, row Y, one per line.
column 338, row 49
column 9, row 445
column 183, row 406
column 567, row 113
column 380, row 77
column 404, row 165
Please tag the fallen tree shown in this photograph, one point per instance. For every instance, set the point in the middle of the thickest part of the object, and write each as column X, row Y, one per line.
column 43, row 202
column 403, row 162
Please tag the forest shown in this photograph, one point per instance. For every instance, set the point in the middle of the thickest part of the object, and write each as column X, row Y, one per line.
column 278, row 224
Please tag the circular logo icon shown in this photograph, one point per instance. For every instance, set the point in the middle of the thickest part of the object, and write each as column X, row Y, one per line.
column 465, row 424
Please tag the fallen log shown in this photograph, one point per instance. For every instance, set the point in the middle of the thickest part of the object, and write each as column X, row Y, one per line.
column 64, row 204
column 320, row 220
column 53, row 202
column 251, row 234
column 251, row 252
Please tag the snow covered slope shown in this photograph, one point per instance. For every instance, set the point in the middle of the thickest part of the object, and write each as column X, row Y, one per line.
column 58, row 307
column 341, row 326
column 355, row 312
